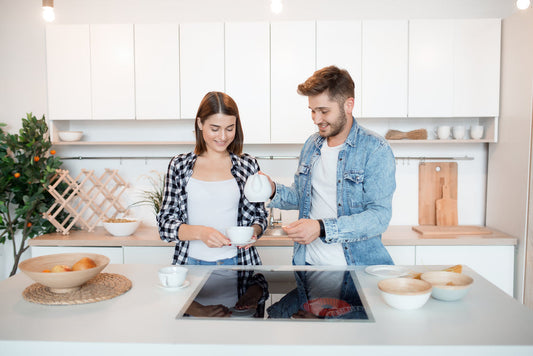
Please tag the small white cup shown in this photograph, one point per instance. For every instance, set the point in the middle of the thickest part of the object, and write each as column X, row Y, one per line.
column 240, row 234
column 459, row 132
column 443, row 132
column 172, row 276
column 476, row 132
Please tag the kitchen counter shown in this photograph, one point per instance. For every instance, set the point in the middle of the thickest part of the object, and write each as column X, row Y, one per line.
column 143, row 321
column 398, row 235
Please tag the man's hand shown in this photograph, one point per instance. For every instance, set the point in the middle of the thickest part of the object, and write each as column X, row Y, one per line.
column 303, row 231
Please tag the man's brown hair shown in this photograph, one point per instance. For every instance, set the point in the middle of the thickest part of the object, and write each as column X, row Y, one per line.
column 337, row 82
column 216, row 102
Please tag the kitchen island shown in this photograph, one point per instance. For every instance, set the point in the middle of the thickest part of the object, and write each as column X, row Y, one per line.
column 143, row 321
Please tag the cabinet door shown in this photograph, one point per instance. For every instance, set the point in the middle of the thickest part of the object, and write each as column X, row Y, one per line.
column 201, row 64
column 495, row 263
column 275, row 255
column 339, row 43
column 431, row 68
column 385, row 63
column 68, row 72
column 248, row 76
column 402, row 255
column 292, row 62
column 476, row 67
column 149, row 254
column 114, row 253
column 157, row 93
column 112, row 72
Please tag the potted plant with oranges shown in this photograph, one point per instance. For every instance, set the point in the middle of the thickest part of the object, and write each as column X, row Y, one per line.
column 26, row 165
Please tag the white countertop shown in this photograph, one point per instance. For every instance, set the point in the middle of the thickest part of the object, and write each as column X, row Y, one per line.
column 396, row 235
column 143, row 321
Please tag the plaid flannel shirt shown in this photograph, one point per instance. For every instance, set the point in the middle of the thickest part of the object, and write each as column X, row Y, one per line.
column 173, row 211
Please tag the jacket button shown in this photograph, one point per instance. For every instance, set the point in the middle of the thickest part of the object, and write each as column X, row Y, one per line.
column 339, row 204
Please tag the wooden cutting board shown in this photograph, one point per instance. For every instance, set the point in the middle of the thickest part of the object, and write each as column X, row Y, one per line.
column 431, row 230
column 430, row 188
column 446, row 207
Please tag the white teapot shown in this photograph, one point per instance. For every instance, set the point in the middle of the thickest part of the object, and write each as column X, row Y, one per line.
column 257, row 188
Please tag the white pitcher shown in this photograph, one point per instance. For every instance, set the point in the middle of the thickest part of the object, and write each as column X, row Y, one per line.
column 257, row 188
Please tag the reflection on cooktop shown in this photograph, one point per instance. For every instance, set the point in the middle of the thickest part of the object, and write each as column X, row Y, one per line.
column 279, row 295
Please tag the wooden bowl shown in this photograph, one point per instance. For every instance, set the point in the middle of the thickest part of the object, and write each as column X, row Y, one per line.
column 62, row 282
column 405, row 293
column 448, row 286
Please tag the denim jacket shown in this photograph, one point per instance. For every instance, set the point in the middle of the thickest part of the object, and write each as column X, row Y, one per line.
column 365, row 186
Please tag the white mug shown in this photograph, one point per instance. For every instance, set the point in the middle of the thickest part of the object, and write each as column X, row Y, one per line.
column 459, row 132
column 172, row 276
column 476, row 132
column 443, row 132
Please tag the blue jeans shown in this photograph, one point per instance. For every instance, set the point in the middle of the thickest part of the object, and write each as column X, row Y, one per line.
column 227, row 261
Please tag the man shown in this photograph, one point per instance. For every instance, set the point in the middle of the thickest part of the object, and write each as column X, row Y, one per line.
column 344, row 183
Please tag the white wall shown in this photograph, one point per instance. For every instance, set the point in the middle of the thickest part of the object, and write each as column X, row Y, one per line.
column 23, row 79
column 509, row 160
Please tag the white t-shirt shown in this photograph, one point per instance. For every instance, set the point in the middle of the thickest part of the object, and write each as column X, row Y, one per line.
column 213, row 204
column 324, row 205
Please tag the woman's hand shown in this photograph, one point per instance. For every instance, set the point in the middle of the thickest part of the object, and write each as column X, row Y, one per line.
column 208, row 235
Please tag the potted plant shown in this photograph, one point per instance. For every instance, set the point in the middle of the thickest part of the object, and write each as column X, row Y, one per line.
column 26, row 165
column 152, row 197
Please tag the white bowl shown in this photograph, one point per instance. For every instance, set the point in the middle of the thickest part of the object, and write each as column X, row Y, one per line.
column 70, row 135
column 240, row 234
column 405, row 293
column 122, row 228
column 448, row 286
column 62, row 282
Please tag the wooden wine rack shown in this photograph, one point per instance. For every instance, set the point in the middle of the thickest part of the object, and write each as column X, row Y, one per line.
column 87, row 199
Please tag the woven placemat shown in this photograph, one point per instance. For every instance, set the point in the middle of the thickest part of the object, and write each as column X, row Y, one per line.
column 103, row 286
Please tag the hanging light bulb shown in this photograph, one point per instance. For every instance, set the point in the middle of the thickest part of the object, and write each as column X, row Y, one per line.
column 276, row 6
column 48, row 10
column 523, row 4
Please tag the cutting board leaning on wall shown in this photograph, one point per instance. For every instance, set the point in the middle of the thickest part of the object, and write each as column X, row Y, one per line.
column 437, row 193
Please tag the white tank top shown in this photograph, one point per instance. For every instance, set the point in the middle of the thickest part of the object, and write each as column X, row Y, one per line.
column 213, row 204
column 324, row 205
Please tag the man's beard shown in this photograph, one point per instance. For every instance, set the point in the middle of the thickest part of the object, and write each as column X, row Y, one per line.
column 337, row 126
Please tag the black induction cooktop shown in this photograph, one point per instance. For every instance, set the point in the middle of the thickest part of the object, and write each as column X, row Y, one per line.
column 329, row 295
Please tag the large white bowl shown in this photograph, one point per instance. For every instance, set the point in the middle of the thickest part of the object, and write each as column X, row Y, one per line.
column 62, row 282
column 121, row 228
column 448, row 286
column 405, row 293
column 70, row 135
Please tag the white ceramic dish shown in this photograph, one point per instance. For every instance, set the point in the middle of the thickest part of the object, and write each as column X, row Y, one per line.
column 448, row 286
column 387, row 271
column 121, row 229
column 173, row 289
column 405, row 293
column 244, row 243
column 241, row 313
column 70, row 135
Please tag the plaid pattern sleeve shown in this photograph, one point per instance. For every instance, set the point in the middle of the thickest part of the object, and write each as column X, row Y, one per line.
column 173, row 211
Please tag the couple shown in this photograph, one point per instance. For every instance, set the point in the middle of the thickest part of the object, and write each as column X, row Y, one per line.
column 343, row 185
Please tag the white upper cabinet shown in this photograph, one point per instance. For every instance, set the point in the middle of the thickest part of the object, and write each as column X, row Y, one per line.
column 201, row 64
column 292, row 62
column 112, row 72
column 332, row 38
column 157, row 92
column 248, row 76
column 454, row 68
column 431, row 68
column 384, row 67
column 477, row 67
column 68, row 72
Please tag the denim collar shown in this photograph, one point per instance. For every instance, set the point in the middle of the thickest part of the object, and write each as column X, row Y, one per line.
column 350, row 140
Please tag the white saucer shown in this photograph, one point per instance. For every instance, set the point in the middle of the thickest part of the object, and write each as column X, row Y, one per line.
column 171, row 289
column 241, row 313
column 387, row 271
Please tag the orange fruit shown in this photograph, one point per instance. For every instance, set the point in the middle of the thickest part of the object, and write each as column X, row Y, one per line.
column 16, row 175
column 36, row 158
column 28, row 224
column 52, row 152
column 46, row 271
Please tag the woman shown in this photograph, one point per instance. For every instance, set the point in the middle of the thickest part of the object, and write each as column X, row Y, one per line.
column 204, row 190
